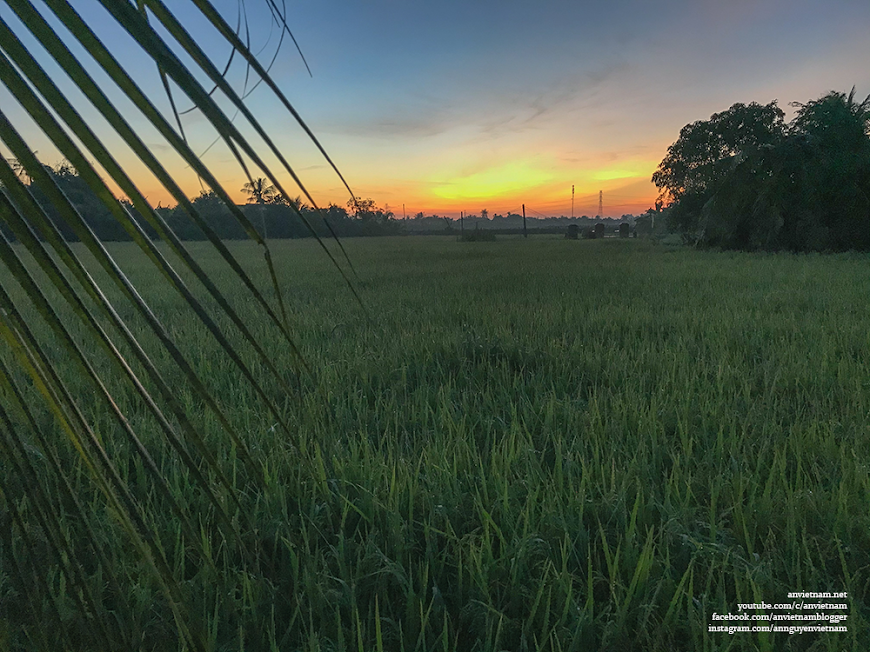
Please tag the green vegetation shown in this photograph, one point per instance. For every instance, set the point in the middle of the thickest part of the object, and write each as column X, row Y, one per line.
column 276, row 217
column 271, row 214
column 744, row 179
column 525, row 445
column 533, row 444
column 478, row 235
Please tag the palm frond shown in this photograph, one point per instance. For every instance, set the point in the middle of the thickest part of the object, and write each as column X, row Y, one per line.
column 52, row 304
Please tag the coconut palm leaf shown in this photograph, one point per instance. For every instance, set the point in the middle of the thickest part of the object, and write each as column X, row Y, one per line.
column 193, row 49
column 54, row 422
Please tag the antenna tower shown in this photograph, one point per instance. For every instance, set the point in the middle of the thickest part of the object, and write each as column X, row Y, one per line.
column 601, row 204
column 572, row 201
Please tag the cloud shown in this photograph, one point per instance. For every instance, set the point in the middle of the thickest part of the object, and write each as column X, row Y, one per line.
column 417, row 115
column 550, row 100
column 508, row 102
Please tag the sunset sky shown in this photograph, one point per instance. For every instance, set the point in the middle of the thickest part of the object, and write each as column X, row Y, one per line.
column 448, row 106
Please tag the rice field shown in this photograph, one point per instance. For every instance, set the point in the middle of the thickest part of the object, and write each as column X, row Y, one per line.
column 533, row 444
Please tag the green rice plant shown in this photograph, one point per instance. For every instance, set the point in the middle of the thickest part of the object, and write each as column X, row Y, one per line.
column 478, row 235
column 125, row 380
column 603, row 470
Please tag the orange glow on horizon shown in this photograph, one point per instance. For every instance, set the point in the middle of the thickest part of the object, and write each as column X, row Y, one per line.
column 542, row 184
column 547, row 200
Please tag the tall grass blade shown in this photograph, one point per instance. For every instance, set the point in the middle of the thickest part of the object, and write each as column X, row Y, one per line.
column 15, row 331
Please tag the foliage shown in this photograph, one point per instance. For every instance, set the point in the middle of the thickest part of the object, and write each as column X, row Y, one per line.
column 281, row 217
column 706, row 151
column 371, row 219
column 183, row 465
column 96, row 215
column 539, row 444
column 804, row 188
column 478, row 235
column 87, row 455
column 260, row 191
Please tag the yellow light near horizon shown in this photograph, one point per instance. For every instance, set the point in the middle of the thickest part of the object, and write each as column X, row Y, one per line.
column 497, row 181
column 629, row 172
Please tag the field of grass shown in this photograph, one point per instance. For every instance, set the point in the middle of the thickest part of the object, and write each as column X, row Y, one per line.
column 526, row 445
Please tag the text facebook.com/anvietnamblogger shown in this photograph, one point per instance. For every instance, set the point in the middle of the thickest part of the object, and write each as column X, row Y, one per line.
column 805, row 613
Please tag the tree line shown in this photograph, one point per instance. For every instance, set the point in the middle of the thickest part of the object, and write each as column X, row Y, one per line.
column 271, row 214
column 746, row 179
column 421, row 223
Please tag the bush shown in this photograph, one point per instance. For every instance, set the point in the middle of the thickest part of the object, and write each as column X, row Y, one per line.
column 478, row 236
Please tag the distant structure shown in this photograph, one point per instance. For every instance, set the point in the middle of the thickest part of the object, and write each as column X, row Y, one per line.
column 600, row 204
column 573, row 230
column 624, row 230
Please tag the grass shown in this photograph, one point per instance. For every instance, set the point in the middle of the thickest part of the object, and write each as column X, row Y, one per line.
column 530, row 445
column 477, row 235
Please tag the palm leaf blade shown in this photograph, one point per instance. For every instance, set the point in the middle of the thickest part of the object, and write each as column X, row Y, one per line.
column 42, row 265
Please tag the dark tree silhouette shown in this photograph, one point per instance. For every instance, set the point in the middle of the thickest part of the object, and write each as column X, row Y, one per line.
column 259, row 191
column 705, row 153
column 804, row 186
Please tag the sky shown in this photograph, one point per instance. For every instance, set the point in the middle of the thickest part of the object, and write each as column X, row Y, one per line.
column 448, row 106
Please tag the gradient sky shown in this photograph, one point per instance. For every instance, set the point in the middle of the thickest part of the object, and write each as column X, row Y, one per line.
column 448, row 106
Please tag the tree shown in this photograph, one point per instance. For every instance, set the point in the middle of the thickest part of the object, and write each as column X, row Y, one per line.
column 835, row 133
column 706, row 151
column 259, row 191
column 82, row 198
column 373, row 220
column 835, row 122
column 807, row 192
column 361, row 208
column 277, row 199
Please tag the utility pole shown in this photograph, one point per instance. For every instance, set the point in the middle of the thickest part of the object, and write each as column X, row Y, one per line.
column 601, row 204
column 525, row 232
column 572, row 201
column 461, row 227
column 404, row 217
